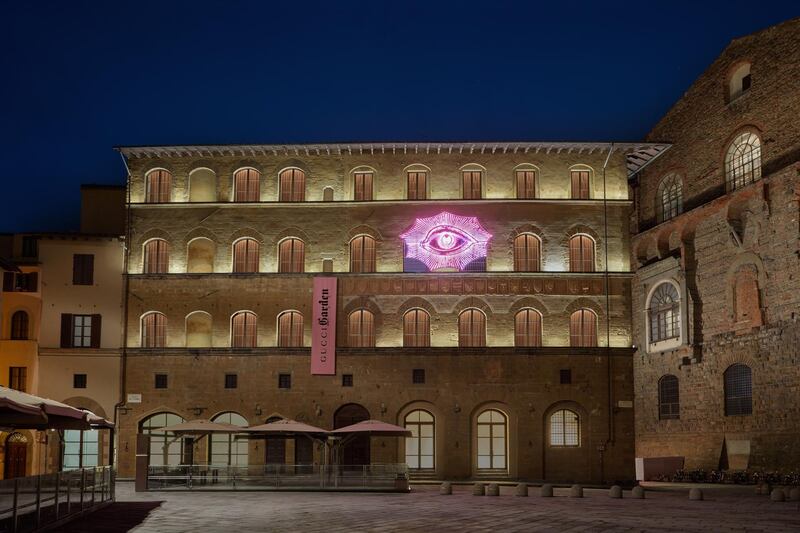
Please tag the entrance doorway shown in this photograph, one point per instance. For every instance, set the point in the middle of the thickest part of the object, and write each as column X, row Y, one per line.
column 275, row 447
column 16, row 455
column 356, row 451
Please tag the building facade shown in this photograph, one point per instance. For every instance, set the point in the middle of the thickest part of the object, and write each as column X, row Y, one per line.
column 715, row 249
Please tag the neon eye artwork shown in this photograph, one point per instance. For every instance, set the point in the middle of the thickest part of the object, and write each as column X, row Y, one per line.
column 446, row 241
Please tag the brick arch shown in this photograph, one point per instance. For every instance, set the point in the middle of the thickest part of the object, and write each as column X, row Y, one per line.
column 585, row 303
column 416, row 302
column 161, row 409
column 82, row 402
column 292, row 162
column 198, row 232
column 472, row 301
column 245, row 232
column 581, row 229
column 246, row 163
column 526, row 228
column 732, row 357
column 364, row 229
column 362, row 302
column 665, row 244
column 158, row 164
column 156, row 233
column 292, row 231
column 528, row 302
column 210, row 164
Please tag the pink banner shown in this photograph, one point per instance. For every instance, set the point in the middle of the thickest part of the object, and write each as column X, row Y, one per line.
column 323, row 327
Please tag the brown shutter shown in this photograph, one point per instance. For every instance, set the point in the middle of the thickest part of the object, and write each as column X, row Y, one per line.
column 66, row 330
column 357, row 254
column 8, row 281
column 96, row 325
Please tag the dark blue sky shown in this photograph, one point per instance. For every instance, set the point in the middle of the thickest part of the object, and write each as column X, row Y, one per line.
column 81, row 77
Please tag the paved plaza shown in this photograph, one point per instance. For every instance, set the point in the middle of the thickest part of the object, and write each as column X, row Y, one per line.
column 729, row 509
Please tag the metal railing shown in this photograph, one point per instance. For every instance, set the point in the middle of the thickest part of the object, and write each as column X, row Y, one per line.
column 385, row 476
column 30, row 503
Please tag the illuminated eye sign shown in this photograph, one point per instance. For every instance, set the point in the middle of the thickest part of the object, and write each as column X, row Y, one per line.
column 446, row 241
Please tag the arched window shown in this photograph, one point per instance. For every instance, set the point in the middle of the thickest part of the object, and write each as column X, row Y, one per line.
column 156, row 256
column 81, row 449
column 198, row 330
column 200, row 256
column 361, row 329
column 527, row 253
column 362, row 254
column 740, row 82
column 19, row 326
column 669, row 405
column 416, row 328
column 362, row 185
column 420, row 446
column 245, row 255
column 292, row 185
column 224, row 448
column 165, row 448
column 417, row 184
column 471, row 184
column 665, row 313
column 158, row 183
column 492, row 440
column 526, row 184
column 565, row 428
column 583, row 328
column 290, row 329
column 291, row 255
column 581, row 253
column 670, row 198
column 154, row 330
column 743, row 161
column 246, row 185
column 528, row 328
column 580, row 180
column 243, row 330
column 471, row 328
column 202, row 185
column 738, row 390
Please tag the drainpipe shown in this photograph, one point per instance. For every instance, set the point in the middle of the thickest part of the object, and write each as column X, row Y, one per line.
column 609, row 377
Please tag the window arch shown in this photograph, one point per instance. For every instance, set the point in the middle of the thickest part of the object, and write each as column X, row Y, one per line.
column 471, row 328
column 292, row 184
column 492, row 449
column 526, row 183
column 739, row 82
column 580, row 179
column 165, row 449
column 528, row 328
column 202, row 185
column 245, row 255
column 669, row 405
column 669, row 202
column 664, row 311
column 583, row 328
column 472, row 183
column 527, row 253
column 156, row 256
column 291, row 255
column 361, row 329
column 743, row 160
column 154, row 330
column 738, row 380
column 246, row 185
column 581, row 253
column 362, row 254
column 19, row 326
column 363, row 179
column 198, row 330
column 416, row 328
column 565, row 428
column 290, row 329
column 224, row 448
column 200, row 255
column 421, row 445
column 158, row 185
column 243, row 330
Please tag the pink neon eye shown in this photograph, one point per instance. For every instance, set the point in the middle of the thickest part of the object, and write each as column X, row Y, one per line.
column 447, row 240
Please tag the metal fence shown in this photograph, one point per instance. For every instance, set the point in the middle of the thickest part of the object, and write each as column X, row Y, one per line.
column 33, row 502
column 382, row 477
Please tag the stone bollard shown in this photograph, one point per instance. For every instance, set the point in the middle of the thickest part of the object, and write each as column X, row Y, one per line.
column 547, row 491
column 493, row 489
column 778, row 495
column 638, row 492
column 763, row 489
column 615, row 492
column 576, row 491
column 479, row 489
column 522, row 490
column 445, row 489
column 695, row 494
column 794, row 494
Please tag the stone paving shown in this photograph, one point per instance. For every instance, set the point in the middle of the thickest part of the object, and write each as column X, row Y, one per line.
column 425, row 510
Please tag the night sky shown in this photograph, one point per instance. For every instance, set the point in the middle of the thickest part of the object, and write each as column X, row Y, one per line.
column 81, row 77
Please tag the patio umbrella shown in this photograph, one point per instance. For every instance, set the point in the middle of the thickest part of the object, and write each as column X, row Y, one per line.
column 287, row 427
column 20, row 410
column 374, row 428
column 200, row 427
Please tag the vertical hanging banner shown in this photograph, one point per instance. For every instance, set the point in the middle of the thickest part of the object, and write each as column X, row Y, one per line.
column 323, row 327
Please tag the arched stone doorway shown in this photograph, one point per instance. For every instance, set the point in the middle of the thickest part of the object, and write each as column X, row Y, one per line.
column 357, row 451
column 16, row 455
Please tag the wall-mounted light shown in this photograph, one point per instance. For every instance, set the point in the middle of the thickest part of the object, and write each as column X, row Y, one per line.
column 198, row 410
column 258, row 410
column 457, row 408
column 383, row 408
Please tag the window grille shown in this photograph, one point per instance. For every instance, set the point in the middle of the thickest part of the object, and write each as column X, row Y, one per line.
column 79, row 381
column 416, row 328
column 743, row 161
column 231, row 381
column 738, row 390
column 565, row 428
column 471, row 328
column 284, row 381
column 161, row 381
column 418, row 376
column 565, row 376
column 292, row 185
column 669, row 406
column 243, row 330
column 670, row 198
column 528, row 328
column 246, row 185
column 665, row 313
column 347, row 380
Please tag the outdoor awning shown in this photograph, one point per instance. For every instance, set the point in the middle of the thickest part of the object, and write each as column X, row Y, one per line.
column 20, row 410
column 375, row 428
column 200, row 427
column 287, row 427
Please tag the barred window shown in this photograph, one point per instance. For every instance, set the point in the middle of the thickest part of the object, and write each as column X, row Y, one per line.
column 361, row 329
column 156, row 257
column 19, row 326
column 669, row 406
column 417, row 185
column 416, row 328
column 526, row 184
column 246, row 185
column 471, row 328
column 565, row 428
column 291, row 255
column 581, row 253
column 158, row 184
column 290, row 329
column 292, row 185
column 670, row 198
column 665, row 313
column 243, row 330
column 492, row 440
column 527, row 253
column 362, row 186
column 471, row 184
column 580, row 184
column 528, row 328
column 738, row 380
column 583, row 328
column 245, row 255
column 743, row 161
column 362, row 254
column 154, row 330
column 420, row 445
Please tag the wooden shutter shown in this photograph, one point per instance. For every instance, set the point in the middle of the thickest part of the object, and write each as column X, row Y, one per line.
column 8, row 281
column 298, row 186
column 587, row 254
column 356, row 254
column 297, row 330
column 526, row 184
column 298, row 256
column 66, row 330
column 96, row 325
